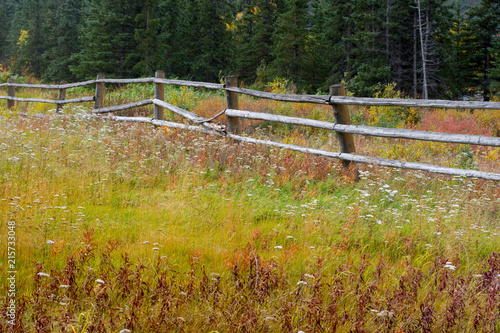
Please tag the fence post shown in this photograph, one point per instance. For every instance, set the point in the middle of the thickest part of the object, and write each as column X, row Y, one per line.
column 341, row 112
column 159, row 94
column 11, row 92
column 232, row 103
column 62, row 97
column 99, row 92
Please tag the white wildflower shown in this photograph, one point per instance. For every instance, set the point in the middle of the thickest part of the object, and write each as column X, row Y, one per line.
column 385, row 313
column 450, row 266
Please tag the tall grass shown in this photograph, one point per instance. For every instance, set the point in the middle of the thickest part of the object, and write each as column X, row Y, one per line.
column 195, row 233
column 129, row 227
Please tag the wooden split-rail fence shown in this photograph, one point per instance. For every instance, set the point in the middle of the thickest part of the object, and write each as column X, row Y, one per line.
column 337, row 99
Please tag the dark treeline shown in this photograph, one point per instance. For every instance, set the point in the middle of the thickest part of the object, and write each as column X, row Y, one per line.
column 427, row 47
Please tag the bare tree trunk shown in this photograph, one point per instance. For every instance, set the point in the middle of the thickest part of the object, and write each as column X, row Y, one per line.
column 415, row 55
column 295, row 67
column 349, row 43
column 425, row 93
column 387, row 9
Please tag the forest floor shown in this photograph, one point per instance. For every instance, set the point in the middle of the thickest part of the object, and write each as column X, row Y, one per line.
column 123, row 226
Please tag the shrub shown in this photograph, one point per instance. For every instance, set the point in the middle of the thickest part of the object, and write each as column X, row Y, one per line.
column 390, row 116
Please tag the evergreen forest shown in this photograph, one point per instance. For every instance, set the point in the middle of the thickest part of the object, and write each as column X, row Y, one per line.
column 427, row 48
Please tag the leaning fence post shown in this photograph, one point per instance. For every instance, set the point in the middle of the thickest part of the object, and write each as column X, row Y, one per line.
column 11, row 92
column 62, row 97
column 232, row 103
column 159, row 94
column 341, row 112
column 99, row 92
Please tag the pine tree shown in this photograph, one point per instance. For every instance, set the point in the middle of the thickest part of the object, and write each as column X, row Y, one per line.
column 484, row 28
column 334, row 31
column 367, row 62
column 254, row 30
column 212, row 47
column 196, row 38
column 368, row 43
column 458, row 71
column 62, row 39
column 495, row 70
column 6, row 14
column 146, row 35
column 321, row 49
column 398, row 41
column 315, row 68
column 27, row 37
column 108, row 45
column 291, row 41
column 176, row 34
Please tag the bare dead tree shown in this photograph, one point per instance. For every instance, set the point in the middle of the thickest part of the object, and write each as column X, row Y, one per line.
column 425, row 92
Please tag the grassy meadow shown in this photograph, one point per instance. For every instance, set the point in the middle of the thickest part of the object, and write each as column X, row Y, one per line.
column 130, row 227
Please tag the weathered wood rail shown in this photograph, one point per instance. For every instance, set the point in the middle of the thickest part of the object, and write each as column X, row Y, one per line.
column 336, row 99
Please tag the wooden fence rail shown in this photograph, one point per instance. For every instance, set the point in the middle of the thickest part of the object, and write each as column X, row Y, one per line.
column 40, row 100
column 369, row 130
column 337, row 99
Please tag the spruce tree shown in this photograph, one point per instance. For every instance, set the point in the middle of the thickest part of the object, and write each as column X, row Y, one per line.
column 6, row 14
column 495, row 70
column 368, row 61
column 315, row 68
column 27, row 37
column 334, row 31
column 458, row 70
column 149, row 46
column 397, row 41
column 196, row 38
column 254, row 30
column 176, row 20
column 368, row 43
column 290, row 41
column 108, row 45
column 321, row 51
column 484, row 25
column 62, row 39
column 212, row 48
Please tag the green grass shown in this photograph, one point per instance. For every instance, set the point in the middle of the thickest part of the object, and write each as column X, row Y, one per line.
column 227, row 231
